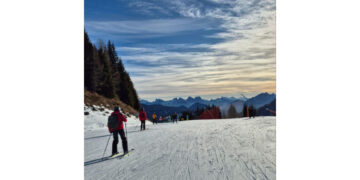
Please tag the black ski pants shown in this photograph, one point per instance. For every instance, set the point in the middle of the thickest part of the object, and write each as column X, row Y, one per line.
column 116, row 141
column 142, row 125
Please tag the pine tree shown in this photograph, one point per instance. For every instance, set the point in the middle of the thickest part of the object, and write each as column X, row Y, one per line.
column 107, row 87
column 112, row 53
column 223, row 115
column 232, row 111
column 252, row 111
column 124, row 93
column 245, row 111
column 89, row 65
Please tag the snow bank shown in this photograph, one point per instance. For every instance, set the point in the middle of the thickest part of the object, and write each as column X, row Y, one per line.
column 98, row 116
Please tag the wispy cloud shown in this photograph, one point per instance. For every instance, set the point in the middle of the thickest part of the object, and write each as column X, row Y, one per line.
column 144, row 27
column 242, row 60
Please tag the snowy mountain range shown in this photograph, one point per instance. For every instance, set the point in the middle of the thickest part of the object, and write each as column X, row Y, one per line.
column 223, row 102
column 177, row 102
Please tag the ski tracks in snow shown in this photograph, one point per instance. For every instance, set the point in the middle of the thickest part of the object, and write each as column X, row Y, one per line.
column 207, row 149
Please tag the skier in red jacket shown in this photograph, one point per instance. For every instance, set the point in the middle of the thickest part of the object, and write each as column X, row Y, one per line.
column 119, row 130
column 142, row 117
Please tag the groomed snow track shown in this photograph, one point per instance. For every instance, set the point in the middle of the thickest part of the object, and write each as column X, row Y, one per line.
column 200, row 149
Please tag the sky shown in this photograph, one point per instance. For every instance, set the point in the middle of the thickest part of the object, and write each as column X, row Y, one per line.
column 181, row 48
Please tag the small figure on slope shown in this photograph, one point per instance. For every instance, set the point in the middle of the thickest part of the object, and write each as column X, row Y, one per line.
column 154, row 118
column 142, row 117
column 173, row 117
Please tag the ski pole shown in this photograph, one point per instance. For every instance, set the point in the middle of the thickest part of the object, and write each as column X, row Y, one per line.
column 126, row 130
column 106, row 145
column 126, row 134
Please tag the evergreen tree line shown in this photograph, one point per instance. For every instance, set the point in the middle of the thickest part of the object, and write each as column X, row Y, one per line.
column 190, row 114
column 105, row 73
column 247, row 111
column 195, row 114
column 199, row 110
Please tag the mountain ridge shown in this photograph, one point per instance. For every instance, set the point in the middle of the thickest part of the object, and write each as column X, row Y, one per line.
column 191, row 103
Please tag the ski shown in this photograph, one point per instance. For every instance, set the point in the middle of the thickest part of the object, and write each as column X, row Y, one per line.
column 127, row 154
column 118, row 156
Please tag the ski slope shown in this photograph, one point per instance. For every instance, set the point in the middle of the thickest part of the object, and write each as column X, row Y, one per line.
column 201, row 149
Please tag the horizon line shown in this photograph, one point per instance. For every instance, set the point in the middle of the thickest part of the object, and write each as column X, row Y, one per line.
column 201, row 96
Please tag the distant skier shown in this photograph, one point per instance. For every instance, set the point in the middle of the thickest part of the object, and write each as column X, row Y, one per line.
column 118, row 130
column 173, row 117
column 142, row 117
column 154, row 118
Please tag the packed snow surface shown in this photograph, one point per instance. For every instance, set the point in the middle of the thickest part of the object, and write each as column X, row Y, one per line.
column 200, row 149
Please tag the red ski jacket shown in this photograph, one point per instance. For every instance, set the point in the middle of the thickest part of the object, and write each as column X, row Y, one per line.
column 121, row 119
column 142, row 115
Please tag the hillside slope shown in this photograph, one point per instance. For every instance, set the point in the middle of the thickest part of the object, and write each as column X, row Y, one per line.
column 92, row 99
column 262, row 111
column 261, row 99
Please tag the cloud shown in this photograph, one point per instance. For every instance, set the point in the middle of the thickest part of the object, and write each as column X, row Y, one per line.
column 241, row 60
column 198, row 74
column 145, row 27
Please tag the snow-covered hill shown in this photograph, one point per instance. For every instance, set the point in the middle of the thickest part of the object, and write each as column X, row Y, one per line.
column 200, row 149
